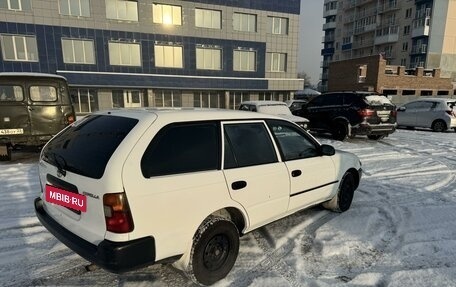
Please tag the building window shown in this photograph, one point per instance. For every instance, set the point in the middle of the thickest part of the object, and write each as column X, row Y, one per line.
column 405, row 46
column 168, row 56
column 244, row 22
column 408, row 13
column 244, row 60
column 208, row 18
column 84, row 100
column 124, row 54
column 74, row 7
column 407, row 30
column 168, row 98
column 167, row 14
column 19, row 48
column 236, row 98
column 77, row 51
column 122, row 10
column 278, row 62
column 208, row 59
column 209, row 99
column 19, row 5
column 278, row 25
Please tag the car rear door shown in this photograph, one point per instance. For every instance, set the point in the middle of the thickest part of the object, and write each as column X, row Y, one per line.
column 46, row 114
column 427, row 112
column 255, row 177
column 312, row 175
column 14, row 116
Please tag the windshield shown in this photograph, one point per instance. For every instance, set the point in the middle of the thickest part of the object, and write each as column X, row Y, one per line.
column 86, row 146
column 274, row 110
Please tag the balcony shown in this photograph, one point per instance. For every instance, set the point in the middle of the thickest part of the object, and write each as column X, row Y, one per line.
column 390, row 35
column 327, row 13
column 419, row 49
column 365, row 29
column 388, row 6
column 329, row 25
column 327, row 51
column 324, row 64
column 421, row 27
column 328, row 38
column 363, row 44
column 346, row 46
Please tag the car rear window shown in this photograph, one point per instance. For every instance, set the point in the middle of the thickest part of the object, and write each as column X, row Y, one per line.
column 377, row 100
column 86, row 146
column 452, row 105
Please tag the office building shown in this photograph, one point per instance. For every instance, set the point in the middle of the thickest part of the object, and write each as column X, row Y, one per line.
column 127, row 53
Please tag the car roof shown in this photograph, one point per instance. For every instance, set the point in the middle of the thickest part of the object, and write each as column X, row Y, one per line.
column 435, row 99
column 185, row 114
column 264, row 103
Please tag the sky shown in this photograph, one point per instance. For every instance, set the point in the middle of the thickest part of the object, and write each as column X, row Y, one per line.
column 399, row 231
column 311, row 33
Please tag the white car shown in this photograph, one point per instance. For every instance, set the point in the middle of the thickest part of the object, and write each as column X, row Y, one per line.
column 277, row 108
column 130, row 188
column 438, row 114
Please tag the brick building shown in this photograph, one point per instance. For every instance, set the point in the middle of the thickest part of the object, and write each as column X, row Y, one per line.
column 373, row 74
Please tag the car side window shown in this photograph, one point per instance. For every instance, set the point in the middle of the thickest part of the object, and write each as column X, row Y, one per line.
column 412, row 106
column 293, row 142
column 182, row 148
column 248, row 144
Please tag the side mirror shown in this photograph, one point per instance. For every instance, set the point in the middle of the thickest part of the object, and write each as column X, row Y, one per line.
column 327, row 150
column 401, row 109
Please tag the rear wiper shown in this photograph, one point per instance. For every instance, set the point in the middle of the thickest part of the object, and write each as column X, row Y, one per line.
column 61, row 166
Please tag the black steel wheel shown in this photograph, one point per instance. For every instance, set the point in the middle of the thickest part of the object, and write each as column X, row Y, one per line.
column 214, row 251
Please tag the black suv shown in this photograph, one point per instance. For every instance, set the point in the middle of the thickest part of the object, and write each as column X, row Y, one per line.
column 351, row 113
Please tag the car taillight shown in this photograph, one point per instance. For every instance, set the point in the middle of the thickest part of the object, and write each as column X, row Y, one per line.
column 117, row 213
column 394, row 113
column 70, row 119
column 366, row 113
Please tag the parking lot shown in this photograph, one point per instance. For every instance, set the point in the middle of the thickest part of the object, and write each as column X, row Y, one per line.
column 399, row 231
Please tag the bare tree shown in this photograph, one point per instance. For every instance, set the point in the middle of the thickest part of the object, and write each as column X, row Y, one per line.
column 303, row 75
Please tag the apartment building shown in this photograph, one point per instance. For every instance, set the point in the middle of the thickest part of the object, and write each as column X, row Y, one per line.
column 135, row 53
column 409, row 33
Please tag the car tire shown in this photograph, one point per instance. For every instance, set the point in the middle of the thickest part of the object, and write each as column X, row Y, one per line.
column 214, row 251
column 375, row 137
column 6, row 156
column 439, row 126
column 339, row 130
column 344, row 197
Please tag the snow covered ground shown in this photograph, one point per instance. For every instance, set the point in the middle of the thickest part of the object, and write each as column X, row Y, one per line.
column 400, row 230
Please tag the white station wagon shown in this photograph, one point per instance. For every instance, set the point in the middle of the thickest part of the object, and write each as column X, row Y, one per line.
column 130, row 188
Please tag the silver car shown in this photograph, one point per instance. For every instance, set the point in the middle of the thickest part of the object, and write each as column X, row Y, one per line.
column 277, row 108
column 439, row 114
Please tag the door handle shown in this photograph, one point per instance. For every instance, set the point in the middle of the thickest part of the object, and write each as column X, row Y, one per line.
column 238, row 185
column 30, row 108
column 296, row 173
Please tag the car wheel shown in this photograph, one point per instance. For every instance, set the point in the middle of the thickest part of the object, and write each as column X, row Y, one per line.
column 439, row 126
column 339, row 131
column 375, row 137
column 5, row 153
column 214, row 251
column 343, row 199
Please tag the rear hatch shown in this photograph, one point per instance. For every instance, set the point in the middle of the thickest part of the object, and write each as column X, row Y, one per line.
column 382, row 111
column 85, row 159
column 14, row 115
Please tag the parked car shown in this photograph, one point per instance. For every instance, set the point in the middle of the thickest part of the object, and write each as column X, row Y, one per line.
column 129, row 188
column 274, row 108
column 438, row 114
column 33, row 108
column 295, row 105
column 351, row 113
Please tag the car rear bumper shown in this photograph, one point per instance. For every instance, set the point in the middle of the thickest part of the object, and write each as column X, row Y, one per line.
column 115, row 257
column 367, row 129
